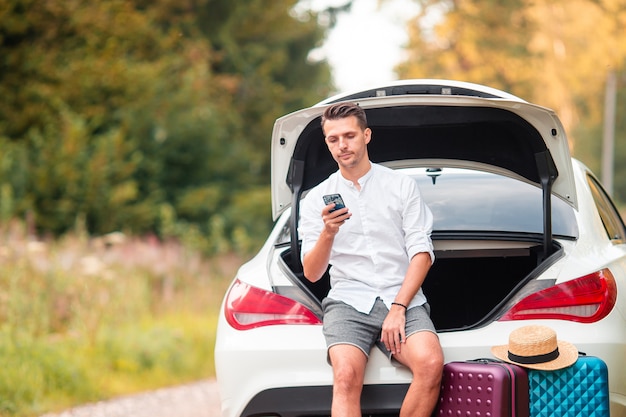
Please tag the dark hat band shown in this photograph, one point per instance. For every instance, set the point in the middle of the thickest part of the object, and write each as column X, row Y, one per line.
column 531, row 360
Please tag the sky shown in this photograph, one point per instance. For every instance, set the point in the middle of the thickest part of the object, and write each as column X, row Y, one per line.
column 367, row 42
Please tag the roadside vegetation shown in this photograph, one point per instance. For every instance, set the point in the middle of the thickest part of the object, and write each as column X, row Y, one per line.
column 85, row 319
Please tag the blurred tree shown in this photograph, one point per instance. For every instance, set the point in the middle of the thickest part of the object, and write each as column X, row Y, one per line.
column 555, row 53
column 114, row 112
column 258, row 57
column 264, row 50
column 619, row 175
column 69, row 70
column 476, row 40
column 589, row 132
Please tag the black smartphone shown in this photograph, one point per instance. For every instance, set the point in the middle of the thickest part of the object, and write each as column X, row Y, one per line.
column 334, row 198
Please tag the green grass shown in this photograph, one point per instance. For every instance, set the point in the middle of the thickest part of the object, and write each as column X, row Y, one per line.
column 88, row 319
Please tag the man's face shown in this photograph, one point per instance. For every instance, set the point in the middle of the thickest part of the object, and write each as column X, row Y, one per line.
column 347, row 142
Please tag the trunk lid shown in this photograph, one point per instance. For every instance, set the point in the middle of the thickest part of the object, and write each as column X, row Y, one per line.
column 429, row 122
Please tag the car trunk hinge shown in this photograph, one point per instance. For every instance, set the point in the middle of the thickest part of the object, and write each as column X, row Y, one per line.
column 295, row 180
column 547, row 175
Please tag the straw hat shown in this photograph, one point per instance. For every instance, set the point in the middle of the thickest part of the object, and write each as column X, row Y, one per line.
column 536, row 347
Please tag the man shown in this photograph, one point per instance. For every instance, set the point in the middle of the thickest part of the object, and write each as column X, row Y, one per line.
column 380, row 251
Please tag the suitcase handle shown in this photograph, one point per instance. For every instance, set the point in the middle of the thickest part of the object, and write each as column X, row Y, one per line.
column 486, row 360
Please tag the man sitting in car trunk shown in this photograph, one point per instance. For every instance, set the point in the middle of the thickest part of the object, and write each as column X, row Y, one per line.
column 380, row 250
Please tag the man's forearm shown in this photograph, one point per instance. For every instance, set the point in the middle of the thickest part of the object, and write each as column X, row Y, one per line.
column 414, row 278
column 315, row 261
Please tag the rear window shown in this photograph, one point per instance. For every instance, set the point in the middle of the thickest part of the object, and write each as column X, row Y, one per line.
column 465, row 200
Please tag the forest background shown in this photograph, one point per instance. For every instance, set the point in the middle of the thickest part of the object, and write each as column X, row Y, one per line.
column 134, row 159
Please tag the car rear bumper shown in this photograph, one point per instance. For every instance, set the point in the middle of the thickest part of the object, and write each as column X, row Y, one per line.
column 315, row 401
column 282, row 371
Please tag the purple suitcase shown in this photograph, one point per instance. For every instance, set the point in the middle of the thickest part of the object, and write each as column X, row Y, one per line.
column 483, row 387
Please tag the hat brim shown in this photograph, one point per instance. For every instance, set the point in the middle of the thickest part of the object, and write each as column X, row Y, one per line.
column 568, row 355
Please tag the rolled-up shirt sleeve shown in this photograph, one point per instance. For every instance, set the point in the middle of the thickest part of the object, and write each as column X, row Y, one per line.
column 311, row 224
column 417, row 223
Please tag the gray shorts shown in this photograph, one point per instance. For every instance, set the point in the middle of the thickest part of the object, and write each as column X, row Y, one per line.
column 343, row 324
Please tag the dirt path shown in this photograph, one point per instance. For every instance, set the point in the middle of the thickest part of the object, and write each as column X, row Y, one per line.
column 199, row 399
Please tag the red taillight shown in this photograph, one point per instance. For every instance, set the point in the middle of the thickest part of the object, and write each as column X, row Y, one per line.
column 248, row 307
column 585, row 300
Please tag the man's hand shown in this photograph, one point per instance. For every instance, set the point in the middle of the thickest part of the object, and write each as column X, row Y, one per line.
column 315, row 262
column 393, row 331
column 334, row 220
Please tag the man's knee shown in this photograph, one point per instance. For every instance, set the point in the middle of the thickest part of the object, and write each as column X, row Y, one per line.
column 348, row 364
column 426, row 356
column 433, row 367
column 346, row 376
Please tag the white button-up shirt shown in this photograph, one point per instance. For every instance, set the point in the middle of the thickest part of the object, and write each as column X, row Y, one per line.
column 370, row 255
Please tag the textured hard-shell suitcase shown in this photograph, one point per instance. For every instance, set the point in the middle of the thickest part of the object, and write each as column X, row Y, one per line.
column 578, row 390
column 483, row 388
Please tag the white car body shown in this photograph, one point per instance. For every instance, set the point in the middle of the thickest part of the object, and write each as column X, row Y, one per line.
column 274, row 364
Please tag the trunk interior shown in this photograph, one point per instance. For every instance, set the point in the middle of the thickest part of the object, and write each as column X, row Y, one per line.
column 470, row 284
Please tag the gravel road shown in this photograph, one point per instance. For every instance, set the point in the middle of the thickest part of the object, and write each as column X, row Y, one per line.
column 199, row 399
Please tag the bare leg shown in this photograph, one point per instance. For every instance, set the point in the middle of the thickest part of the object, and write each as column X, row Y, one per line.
column 422, row 354
column 348, row 372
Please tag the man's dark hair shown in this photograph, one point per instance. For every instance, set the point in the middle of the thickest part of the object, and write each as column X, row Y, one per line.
column 343, row 110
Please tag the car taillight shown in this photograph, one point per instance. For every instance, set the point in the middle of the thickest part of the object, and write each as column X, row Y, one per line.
column 248, row 307
column 586, row 300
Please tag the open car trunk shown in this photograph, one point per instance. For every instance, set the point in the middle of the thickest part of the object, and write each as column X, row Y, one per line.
column 442, row 125
column 492, row 139
column 470, row 284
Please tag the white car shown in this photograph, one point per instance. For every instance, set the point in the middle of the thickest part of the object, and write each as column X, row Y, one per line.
column 523, row 234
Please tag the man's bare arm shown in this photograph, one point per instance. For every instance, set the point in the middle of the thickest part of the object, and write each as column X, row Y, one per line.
column 315, row 261
column 393, row 331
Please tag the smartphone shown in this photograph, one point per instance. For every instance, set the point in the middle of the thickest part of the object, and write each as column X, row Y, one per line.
column 334, row 198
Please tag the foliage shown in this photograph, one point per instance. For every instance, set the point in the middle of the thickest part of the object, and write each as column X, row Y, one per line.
column 83, row 320
column 30, row 367
column 554, row 53
column 151, row 118
column 116, row 111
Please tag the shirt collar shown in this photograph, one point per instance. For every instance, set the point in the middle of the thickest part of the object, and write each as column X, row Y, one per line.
column 361, row 180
